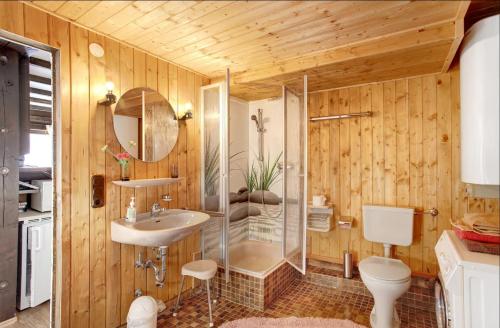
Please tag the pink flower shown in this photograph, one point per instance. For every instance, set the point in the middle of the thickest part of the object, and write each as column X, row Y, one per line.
column 122, row 156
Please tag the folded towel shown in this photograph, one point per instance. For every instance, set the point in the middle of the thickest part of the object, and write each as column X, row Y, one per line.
column 481, row 223
column 488, row 221
column 486, row 230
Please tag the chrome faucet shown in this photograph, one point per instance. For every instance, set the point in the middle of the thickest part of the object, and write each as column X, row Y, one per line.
column 155, row 209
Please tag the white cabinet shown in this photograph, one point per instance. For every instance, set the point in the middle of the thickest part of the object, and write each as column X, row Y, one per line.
column 35, row 261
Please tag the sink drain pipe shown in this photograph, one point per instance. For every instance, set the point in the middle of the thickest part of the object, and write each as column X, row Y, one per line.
column 159, row 272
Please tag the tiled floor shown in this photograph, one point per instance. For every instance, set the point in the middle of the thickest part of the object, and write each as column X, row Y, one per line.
column 301, row 299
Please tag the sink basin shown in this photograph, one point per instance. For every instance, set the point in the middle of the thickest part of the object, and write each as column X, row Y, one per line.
column 167, row 227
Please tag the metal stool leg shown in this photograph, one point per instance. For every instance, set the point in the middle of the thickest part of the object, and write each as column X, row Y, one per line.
column 214, row 292
column 209, row 304
column 178, row 297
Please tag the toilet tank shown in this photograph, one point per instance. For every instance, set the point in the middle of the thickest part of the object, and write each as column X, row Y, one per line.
column 388, row 225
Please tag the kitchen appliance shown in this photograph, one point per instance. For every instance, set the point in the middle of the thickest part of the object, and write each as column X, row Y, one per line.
column 34, row 279
column 42, row 200
column 467, row 290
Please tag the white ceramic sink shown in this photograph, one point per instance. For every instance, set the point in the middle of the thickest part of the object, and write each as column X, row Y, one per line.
column 167, row 227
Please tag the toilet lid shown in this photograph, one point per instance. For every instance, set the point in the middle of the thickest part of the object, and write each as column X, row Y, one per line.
column 384, row 268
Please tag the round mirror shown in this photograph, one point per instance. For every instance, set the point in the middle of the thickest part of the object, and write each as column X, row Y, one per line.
column 145, row 124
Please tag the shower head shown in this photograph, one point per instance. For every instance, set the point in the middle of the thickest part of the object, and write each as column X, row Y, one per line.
column 259, row 122
column 254, row 118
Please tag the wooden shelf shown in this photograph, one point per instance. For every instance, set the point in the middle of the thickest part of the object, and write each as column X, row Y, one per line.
column 141, row 183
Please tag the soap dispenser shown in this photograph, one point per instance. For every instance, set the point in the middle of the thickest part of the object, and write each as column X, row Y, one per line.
column 131, row 211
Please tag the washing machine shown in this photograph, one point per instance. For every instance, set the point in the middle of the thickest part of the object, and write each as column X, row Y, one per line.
column 467, row 291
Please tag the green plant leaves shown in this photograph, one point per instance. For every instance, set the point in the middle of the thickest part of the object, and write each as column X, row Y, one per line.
column 265, row 175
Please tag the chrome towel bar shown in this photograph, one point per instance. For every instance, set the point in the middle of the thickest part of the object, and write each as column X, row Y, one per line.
column 340, row 116
column 433, row 211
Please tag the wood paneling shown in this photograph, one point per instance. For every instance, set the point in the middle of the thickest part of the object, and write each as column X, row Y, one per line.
column 270, row 43
column 80, row 177
column 480, row 9
column 59, row 38
column 406, row 154
column 99, row 277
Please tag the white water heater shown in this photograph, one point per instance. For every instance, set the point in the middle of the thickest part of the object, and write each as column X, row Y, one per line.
column 479, row 89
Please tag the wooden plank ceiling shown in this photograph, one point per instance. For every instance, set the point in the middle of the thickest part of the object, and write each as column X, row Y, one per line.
column 269, row 43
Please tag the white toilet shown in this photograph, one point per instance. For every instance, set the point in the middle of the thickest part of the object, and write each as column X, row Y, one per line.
column 386, row 278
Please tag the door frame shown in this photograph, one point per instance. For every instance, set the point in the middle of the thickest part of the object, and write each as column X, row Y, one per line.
column 55, row 301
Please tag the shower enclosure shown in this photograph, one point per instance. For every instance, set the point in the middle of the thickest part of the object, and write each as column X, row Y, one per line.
column 254, row 179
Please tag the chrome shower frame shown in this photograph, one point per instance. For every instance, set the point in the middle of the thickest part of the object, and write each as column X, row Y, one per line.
column 225, row 169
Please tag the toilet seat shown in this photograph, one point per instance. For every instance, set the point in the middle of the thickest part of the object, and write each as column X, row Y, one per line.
column 385, row 269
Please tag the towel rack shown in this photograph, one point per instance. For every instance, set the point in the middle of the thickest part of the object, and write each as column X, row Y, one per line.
column 340, row 116
column 433, row 211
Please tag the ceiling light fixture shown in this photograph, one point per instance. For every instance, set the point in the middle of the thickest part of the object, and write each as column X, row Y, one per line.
column 96, row 50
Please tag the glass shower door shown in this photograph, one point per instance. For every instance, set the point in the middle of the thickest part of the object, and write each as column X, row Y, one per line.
column 295, row 172
column 214, row 186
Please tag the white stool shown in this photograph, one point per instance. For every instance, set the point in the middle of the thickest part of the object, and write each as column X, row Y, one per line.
column 202, row 270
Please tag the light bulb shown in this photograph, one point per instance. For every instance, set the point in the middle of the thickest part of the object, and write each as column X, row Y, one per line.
column 110, row 86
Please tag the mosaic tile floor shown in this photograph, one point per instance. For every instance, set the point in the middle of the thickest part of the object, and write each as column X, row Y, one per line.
column 301, row 299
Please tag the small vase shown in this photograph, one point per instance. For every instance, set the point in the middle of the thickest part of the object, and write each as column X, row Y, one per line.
column 124, row 175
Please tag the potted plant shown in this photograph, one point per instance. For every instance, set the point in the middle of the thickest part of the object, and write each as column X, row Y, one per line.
column 122, row 159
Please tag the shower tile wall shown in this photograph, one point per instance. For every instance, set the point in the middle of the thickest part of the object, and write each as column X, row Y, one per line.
column 212, row 235
column 239, row 125
column 273, row 135
column 264, row 227
column 239, row 231
column 268, row 226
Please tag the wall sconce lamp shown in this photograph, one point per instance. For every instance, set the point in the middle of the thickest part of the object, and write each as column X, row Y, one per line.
column 185, row 113
column 110, row 97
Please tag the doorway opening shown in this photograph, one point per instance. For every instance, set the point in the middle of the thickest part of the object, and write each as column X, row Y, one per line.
column 28, row 155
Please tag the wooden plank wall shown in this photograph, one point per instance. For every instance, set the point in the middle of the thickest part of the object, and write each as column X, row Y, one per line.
column 99, row 276
column 407, row 154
